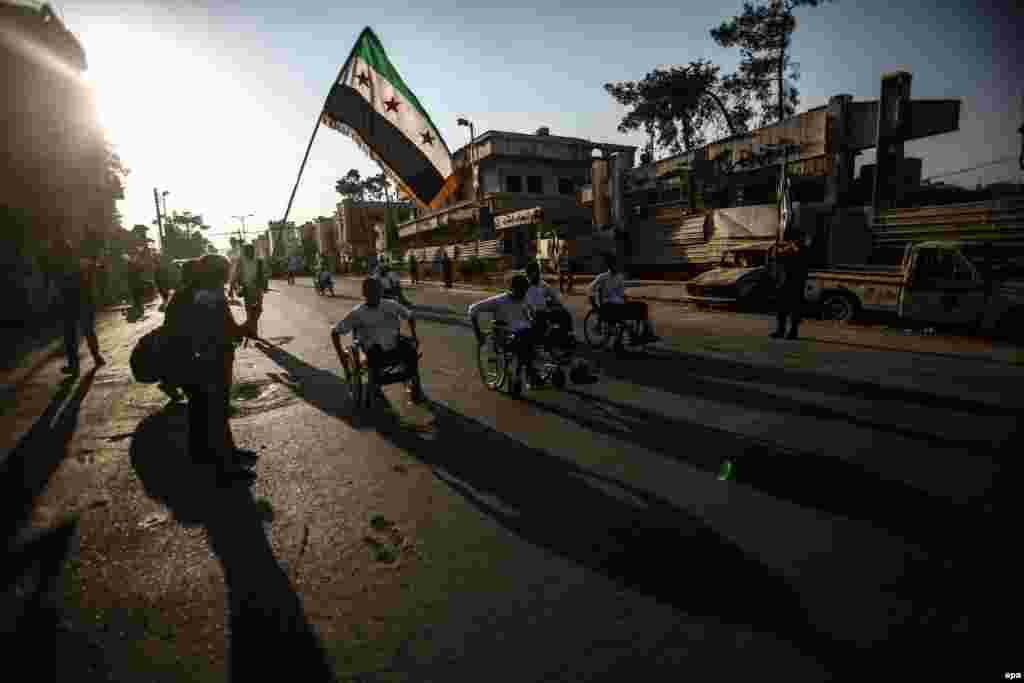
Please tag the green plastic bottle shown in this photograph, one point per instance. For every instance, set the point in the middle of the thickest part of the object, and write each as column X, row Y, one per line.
column 726, row 471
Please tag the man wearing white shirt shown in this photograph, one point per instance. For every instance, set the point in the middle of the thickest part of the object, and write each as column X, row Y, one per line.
column 511, row 309
column 376, row 324
column 609, row 292
column 544, row 304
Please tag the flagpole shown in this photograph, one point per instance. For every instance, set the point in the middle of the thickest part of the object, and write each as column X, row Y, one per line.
column 302, row 167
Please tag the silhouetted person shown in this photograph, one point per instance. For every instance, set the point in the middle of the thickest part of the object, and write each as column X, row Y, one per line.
column 77, row 279
column 249, row 278
column 206, row 332
column 446, row 267
column 788, row 265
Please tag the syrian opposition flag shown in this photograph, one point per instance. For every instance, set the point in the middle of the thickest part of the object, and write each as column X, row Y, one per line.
column 785, row 199
column 372, row 104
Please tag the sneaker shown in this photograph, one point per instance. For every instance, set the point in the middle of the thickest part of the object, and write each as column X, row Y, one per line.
column 227, row 478
column 170, row 391
column 246, row 457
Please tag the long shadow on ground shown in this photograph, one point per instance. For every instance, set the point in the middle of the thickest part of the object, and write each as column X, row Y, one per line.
column 810, row 479
column 624, row 534
column 269, row 637
column 31, row 620
column 650, row 369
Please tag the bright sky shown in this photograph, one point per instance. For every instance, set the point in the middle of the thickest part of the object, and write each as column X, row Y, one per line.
column 215, row 102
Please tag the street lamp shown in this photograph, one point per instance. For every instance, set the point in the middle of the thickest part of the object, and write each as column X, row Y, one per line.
column 469, row 149
column 242, row 219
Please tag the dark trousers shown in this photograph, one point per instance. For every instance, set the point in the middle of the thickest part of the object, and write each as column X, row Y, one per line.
column 544, row 320
column 631, row 310
column 790, row 306
column 208, row 429
column 405, row 352
column 523, row 344
column 79, row 321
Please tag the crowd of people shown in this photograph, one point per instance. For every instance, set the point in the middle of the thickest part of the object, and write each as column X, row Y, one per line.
column 203, row 334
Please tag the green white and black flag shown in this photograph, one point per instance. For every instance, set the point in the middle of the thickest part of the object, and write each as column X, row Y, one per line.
column 372, row 104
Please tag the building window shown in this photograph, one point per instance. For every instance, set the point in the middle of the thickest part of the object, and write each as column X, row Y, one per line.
column 513, row 183
column 566, row 186
column 535, row 184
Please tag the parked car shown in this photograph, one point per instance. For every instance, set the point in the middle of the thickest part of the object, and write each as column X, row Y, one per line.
column 941, row 282
column 749, row 288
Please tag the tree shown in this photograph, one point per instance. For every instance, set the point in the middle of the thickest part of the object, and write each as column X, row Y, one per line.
column 763, row 33
column 351, row 185
column 680, row 103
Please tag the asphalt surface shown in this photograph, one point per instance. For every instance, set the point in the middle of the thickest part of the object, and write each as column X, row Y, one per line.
column 571, row 535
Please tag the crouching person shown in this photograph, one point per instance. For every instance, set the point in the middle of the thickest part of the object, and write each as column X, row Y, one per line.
column 376, row 323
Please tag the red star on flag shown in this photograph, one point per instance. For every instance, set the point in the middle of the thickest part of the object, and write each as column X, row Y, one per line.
column 428, row 139
column 392, row 104
column 363, row 79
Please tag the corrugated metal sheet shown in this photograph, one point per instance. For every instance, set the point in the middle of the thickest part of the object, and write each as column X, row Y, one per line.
column 996, row 221
column 466, row 250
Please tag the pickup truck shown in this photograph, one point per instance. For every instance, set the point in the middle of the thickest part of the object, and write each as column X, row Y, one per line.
column 945, row 283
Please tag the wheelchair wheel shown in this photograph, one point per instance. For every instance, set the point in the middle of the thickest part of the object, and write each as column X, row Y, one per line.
column 491, row 363
column 353, row 377
column 595, row 331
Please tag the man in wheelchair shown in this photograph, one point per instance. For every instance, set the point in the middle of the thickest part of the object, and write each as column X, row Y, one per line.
column 510, row 313
column 608, row 292
column 552, row 322
column 390, row 284
column 376, row 325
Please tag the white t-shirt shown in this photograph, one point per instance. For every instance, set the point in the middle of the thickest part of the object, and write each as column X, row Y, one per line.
column 388, row 280
column 379, row 325
column 609, row 288
column 537, row 297
column 504, row 308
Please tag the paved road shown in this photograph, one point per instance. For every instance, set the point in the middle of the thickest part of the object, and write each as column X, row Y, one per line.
column 577, row 535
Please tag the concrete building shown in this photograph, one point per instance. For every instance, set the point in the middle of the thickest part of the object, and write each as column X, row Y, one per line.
column 514, row 187
column 262, row 247
column 685, row 211
column 355, row 225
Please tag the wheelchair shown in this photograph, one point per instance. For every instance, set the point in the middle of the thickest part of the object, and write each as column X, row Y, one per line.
column 599, row 332
column 365, row 382
column 324, row 282
column 500, row 368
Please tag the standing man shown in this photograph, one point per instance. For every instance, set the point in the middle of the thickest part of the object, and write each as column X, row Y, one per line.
column 249, row 279
column 446, row 265
column 160, row 279
column 787, row 262
column 78, row 305
column 414, row 269
column 564, row 271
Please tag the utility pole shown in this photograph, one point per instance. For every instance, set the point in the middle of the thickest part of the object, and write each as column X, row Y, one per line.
column 159, row 219
column 241, row 219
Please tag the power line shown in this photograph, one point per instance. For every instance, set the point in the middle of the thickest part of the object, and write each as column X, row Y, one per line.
column 972, row 168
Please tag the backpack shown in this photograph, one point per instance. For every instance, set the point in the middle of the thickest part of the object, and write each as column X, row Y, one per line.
column 148, row 359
